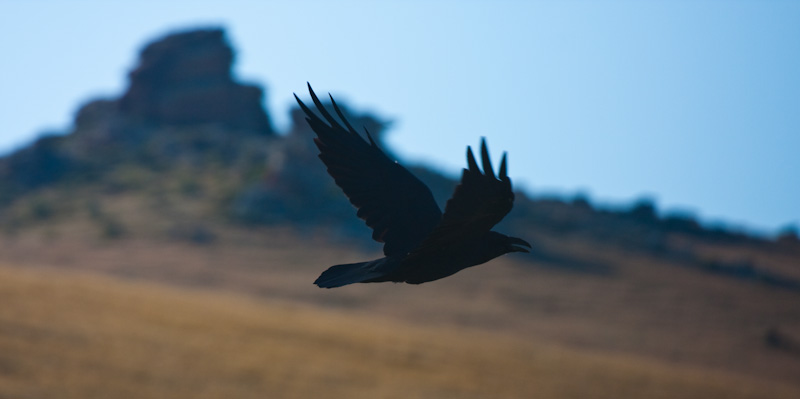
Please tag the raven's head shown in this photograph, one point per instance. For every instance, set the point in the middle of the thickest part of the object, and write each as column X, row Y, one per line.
column 505, row 244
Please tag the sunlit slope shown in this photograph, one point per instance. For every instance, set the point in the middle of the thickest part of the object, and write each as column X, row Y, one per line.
column 71, row 336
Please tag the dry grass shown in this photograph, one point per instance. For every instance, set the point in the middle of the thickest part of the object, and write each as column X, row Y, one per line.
column 85, row 336
column 648, row 308
column 651, row 326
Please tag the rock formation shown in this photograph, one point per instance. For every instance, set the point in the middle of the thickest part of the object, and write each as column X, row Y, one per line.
column 185, row 78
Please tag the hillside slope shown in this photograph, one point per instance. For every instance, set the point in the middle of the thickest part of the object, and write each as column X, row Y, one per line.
column 169, row 184
column 643, row 307
column 77, row 336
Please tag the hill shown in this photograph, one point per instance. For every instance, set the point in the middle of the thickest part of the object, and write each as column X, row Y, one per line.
column 186, row 131
column 168, row 184
column 78, row 336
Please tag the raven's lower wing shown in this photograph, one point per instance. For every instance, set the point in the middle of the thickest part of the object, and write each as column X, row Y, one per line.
column 479, row 202
column 394, row 203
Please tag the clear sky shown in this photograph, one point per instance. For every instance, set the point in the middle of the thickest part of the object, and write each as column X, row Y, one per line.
column 695, row 104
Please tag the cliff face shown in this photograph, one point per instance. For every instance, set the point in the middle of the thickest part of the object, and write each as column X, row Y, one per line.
column 185, row 78
column 181, row 81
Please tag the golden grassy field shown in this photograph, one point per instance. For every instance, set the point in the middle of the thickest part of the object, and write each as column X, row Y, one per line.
column 75, row 335
column 148, row 313
column 84, row 336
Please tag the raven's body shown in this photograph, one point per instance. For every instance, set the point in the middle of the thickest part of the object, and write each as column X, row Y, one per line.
column 441, row 263
column 421, row 243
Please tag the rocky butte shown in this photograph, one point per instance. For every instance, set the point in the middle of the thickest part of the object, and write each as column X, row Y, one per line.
column 185, row 78
column 182, row 84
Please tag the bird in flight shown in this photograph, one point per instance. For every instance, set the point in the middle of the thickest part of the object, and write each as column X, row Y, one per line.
column 421, row 243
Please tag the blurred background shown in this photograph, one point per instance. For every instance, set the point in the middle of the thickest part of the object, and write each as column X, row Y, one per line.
column 163, row 213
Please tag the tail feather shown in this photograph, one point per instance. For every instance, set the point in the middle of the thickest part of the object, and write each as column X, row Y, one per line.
column 339, row 275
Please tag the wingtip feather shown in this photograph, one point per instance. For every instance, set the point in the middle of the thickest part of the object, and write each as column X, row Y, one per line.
column 369, row 136
column 341, row 116
column 503, row 167
column 310, row 116
column 473, row 166
column 487, row 162
column 325, row 114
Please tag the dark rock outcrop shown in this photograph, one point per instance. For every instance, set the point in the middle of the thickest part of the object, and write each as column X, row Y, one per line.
column 37, row 165
column 185, row 78
column 182, row 104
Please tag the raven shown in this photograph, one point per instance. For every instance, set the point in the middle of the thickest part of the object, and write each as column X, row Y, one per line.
column 421, row 243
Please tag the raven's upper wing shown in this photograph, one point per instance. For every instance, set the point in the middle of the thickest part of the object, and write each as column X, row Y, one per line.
column 394, row 203
column 479, row 202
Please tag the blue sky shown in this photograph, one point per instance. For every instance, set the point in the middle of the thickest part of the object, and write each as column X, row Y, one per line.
column 695, row 104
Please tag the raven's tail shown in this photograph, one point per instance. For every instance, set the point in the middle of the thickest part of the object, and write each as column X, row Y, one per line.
column 339, row 275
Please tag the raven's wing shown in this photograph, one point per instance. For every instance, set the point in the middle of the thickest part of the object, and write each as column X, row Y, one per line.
column 479, row 202
column 398, row 207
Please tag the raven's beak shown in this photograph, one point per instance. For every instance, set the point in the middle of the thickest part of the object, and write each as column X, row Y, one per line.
column 516, row 244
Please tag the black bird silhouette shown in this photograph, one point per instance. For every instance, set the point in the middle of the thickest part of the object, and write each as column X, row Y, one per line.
column 420, row 243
